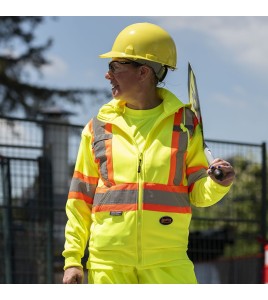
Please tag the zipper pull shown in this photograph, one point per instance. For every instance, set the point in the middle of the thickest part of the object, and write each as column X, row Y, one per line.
column 140, row 161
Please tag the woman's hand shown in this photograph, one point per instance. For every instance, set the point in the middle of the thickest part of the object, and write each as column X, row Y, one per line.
column 73, row 275
column 226, row 168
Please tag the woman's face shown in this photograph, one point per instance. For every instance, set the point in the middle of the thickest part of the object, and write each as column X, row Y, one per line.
column 123, row 76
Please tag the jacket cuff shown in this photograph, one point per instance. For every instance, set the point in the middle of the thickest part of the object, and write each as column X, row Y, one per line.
column 218, row 187
column 72, row 261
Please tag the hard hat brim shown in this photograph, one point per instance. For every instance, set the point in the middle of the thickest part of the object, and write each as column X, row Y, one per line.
column 116, row 54
column 112, row 54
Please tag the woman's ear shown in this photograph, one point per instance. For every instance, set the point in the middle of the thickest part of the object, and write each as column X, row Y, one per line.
column 145, row 72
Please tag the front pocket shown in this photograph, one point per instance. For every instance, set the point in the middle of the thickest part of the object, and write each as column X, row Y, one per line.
column 114, row 232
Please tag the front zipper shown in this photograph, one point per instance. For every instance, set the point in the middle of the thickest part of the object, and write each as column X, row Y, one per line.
column 140, row 178
column 139, row 164
column 140, row 192
column 139, row 211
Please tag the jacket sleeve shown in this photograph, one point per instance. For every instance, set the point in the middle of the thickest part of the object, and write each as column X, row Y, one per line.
column 203, row 191
column 79, row 203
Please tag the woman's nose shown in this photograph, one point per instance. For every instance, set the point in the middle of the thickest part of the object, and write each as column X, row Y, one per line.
column 108, row 75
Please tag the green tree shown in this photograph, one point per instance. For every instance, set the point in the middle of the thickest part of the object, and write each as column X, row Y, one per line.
column 16, row 93
column 240, row 209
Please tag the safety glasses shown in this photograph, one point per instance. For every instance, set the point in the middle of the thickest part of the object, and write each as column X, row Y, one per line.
column 115, row 66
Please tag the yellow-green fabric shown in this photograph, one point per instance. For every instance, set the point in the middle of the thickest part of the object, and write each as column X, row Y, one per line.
column 140, row 122
column 180, row 274
column 121, row 191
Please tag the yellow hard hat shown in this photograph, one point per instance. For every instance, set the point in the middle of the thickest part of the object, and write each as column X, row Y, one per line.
column 144, row 41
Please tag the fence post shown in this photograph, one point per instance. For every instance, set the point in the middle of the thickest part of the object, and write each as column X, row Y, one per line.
column 7, row 220
column 46, row 211
column 55, row 169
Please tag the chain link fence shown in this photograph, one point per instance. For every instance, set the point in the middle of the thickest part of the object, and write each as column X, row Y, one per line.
column 36, row 164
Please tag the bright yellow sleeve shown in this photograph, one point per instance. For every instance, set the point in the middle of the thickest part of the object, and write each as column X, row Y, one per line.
column 207, row 192
column 76, row 232
column 79, row 203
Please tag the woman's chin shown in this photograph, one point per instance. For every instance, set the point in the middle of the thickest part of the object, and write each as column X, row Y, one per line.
column 115, row 93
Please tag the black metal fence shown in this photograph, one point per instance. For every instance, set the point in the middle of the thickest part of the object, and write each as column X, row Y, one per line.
column 36, row 164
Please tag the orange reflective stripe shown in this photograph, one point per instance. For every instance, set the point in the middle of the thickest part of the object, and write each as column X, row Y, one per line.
column 191, row 170
column 118, row 187
column 166, row 208
column 87, row 179
column 163, row 187
column 179, row 145
column 80, row 196
column 115, row 207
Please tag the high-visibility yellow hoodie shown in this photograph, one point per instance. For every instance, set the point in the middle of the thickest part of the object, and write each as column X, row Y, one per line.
column 134, row 205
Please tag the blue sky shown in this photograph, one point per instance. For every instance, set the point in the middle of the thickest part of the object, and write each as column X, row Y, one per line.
column 228, row 55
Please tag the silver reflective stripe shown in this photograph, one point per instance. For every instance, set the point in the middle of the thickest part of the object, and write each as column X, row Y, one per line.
column 99, row 146
column 183, row 143
column 115, row 197
column 77, row 185
column 196, row 175
column 189, row 115
column 166, row 198
column 150, row 197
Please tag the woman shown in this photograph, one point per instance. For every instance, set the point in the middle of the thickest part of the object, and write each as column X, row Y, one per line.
column 140, row 167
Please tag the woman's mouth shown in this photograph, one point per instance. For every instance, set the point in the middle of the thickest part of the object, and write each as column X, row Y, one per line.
column 114, row 87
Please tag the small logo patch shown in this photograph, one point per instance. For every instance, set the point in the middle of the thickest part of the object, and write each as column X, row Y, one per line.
column 116, row 213
column 166, row 220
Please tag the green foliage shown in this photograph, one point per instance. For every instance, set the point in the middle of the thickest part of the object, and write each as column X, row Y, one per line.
column 239, row 210
column 18, row 52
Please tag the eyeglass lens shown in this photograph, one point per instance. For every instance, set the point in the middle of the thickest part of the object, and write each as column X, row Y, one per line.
column 114, row 66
